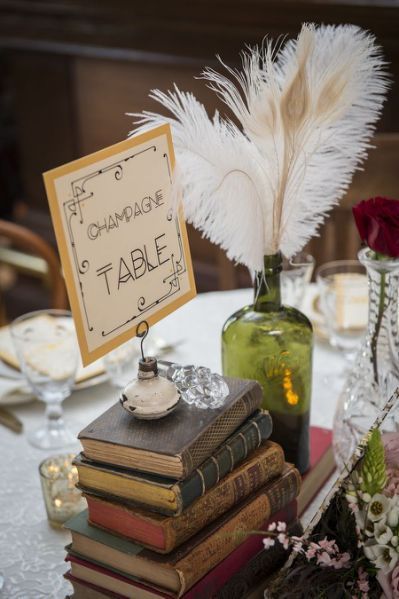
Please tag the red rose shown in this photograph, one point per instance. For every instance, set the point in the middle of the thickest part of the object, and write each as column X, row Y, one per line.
column 377, row 221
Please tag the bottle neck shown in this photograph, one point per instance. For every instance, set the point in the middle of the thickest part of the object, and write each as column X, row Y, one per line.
column 267, row 284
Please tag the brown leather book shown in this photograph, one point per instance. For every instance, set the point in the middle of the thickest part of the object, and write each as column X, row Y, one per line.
column 165, row 533
column 172, row 446
column 178, row 571
column 169, row 496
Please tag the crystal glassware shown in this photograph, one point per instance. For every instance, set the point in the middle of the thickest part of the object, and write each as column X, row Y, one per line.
column 199, row 386
column 273, row 344
column 375, row 371
column 58, row 477
column 343, row 302
column 121, row 364
column 295, row 276
column 46, row 347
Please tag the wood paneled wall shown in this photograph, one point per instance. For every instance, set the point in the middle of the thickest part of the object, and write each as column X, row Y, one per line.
column 78, row 66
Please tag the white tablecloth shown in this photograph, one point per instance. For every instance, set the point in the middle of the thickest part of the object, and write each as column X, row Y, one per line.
column 31, row 552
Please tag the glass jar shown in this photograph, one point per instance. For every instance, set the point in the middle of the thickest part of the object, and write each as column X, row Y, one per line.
column 375, row 372
column 273, row 344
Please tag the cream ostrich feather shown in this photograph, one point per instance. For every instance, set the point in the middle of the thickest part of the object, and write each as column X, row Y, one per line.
column 307, row 112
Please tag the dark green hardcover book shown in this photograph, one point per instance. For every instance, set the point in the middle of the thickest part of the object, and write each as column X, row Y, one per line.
column 166, row 495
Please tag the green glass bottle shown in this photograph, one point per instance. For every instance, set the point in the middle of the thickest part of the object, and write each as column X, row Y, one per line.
column 273, row 344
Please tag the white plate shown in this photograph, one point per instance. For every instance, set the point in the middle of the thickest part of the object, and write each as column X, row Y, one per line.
column 94, row 374
column 23, row 394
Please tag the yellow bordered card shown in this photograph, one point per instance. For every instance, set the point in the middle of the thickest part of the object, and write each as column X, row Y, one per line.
column 125, row 256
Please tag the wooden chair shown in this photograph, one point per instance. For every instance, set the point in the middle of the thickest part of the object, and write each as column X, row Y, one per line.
column 19, row 245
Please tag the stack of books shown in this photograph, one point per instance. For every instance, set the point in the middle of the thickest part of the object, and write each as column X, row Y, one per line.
column 173, row 504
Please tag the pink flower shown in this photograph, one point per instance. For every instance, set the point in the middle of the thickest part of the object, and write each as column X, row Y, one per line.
column 297, row 544
column 324, row 559
column 297, row 547
column 272, row 526
column 363, row 581
column 391, row 446
column 344, row 559
column 363, row 586
column 310, row 553
column 329, row 546
column 354, row 508
column 283, row 539
column 312, row 550
column 392, row 486
column 268, row 542
column 341, row 561
column 281, row 526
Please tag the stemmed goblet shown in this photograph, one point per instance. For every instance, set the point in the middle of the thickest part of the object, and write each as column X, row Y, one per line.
column 46, row 347
column 295, row 277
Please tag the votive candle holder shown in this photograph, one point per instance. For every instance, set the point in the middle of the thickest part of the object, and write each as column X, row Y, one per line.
column 62, row 499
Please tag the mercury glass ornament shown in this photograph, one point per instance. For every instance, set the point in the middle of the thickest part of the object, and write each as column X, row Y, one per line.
column 150, row 396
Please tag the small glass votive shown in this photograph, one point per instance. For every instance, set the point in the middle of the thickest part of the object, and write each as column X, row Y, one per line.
column 63, row 500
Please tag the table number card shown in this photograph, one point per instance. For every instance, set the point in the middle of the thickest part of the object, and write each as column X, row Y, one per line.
column 125, row 255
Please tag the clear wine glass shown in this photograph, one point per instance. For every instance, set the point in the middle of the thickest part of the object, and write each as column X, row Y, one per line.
column 46, row 346
column 295, row 277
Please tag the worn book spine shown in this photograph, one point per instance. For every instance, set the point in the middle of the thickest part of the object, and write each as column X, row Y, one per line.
column 165, row 534
column 139, row 489
column 222, row 428
column 232, row 452
column 235, row 529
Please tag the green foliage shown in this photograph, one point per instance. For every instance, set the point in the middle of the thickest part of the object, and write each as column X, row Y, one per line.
column 373, row 471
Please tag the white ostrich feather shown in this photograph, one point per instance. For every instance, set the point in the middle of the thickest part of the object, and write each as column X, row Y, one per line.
column 307, row 111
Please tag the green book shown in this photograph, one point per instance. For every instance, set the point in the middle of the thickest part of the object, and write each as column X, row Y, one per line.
column 167, row 495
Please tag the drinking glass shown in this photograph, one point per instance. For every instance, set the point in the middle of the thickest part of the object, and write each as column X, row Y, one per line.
column 121, row 364
column 58, row 477
column 295, row 276
column 344, row 303
column 45, row 343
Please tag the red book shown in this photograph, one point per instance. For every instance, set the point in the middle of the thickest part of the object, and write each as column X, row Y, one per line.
column 109, row 581
column 164, row 533
column 322, row 465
